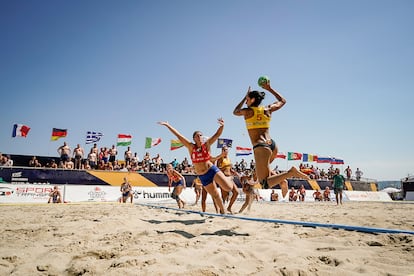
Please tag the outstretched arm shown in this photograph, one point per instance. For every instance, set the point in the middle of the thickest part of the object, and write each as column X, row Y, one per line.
column 180, row 137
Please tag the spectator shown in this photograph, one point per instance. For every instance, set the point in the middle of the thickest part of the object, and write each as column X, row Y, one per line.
column 358, row 174
column 128, row 156
column 112, row 154
column 64, row 152
column 52, row 164
column 274, row 196
column 78, row 154
column 348, row 173
column 69, row 164
column 327, row 194
column 32, row 161
column 317, row 195
column 175, row 164
column 302, row 193
column 93, row 159
column 134, row 160
column 157, row 161
column 293, row 195
column 55, row 196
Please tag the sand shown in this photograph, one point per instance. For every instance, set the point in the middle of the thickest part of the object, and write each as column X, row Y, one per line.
column 125, row 239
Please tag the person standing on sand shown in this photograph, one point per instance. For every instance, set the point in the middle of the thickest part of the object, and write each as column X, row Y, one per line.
column 257, row 118
column 200, row 155
column 338, row 185
column 224, row 163
column 176, row 180
column 198, row 187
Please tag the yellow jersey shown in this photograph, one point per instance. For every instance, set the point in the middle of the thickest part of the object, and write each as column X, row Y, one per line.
column 259, row 119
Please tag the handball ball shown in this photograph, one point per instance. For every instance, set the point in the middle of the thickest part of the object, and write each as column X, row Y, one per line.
column 262, row 80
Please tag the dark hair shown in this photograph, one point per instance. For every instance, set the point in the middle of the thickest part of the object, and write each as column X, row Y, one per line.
column 195, row 132
column 258, row 97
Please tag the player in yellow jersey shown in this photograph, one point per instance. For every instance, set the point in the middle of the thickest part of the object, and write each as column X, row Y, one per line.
column 257, row 118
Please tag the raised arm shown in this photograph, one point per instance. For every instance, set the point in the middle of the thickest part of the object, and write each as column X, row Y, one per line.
column 280, row 100
column 180, row 137
column 238, row 110
column 216, row 135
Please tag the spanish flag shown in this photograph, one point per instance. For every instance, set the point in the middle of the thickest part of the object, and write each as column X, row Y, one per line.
column 58, row 133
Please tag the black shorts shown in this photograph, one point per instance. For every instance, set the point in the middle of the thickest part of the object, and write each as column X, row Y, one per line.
column 271, row 145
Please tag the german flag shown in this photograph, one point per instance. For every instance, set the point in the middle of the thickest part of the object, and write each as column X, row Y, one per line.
column 58, row 133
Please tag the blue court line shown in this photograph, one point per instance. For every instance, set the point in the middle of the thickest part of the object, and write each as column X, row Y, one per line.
column 302, row 223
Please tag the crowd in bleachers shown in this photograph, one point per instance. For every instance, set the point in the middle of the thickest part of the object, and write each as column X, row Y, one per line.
column 107, row 158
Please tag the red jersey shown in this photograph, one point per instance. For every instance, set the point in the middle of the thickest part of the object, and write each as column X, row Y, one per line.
column 199, row 155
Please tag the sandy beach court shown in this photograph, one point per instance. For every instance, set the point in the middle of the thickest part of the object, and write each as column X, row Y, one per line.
column 125, row 239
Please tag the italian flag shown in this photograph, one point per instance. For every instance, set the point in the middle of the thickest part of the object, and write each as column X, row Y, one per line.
column 151, row 142
column 124, row 140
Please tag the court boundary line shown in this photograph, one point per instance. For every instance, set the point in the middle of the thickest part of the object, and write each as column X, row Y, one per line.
column 363, row 229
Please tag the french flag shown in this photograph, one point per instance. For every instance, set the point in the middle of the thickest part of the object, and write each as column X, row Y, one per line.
column 243, row 151
column 20, row 130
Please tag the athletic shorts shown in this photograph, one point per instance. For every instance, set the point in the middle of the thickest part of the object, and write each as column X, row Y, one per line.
column 177, row 183
column 208, row 177
column 272, row 145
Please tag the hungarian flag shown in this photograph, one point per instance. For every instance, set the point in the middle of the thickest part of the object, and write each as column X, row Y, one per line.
column 58, row 133
column 151, row 142
column 124, row 140
column 175, row 144
column 294, row 156
column 243, row 151
column 20, row 130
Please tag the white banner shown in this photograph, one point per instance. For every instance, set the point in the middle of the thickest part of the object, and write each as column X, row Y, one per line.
column 26, row 193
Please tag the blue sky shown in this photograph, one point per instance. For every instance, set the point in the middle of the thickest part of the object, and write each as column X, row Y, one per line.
column 344, row 67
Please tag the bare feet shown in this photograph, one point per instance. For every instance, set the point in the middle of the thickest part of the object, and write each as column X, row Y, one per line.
column 293, row 172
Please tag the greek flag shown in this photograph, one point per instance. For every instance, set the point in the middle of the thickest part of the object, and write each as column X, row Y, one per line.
column 93, row 137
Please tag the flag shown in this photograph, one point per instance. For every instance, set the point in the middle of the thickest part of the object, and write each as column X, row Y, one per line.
column 308, row 157
column 176, row 144
column 281, row 155
column 124, row 140
column 294, row 156
column 58, row 133
column 243, row 151
column 20, row 130
column 323, row 159
column 93, row 137
column 152, row 142
column 224, row 142
column 336, row 161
